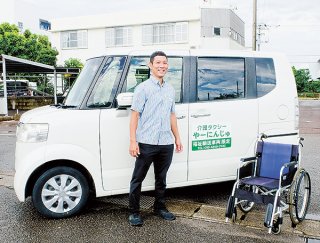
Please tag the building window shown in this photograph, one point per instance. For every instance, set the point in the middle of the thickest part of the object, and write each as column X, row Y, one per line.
column 216, row 31
column 20, row 26
column 120, row 36
column 165, row 33
column 220, row 78
column 74, row 39
column 236, row 36
column 44, row 24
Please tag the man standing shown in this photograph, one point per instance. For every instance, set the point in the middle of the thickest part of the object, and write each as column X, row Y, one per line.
column 153, row 132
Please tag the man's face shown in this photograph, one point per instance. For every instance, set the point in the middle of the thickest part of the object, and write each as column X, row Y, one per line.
column 159, row 67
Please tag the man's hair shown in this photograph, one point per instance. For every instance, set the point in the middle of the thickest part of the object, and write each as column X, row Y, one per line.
column 157, row 53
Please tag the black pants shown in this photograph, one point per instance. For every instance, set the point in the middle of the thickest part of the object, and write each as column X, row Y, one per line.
column 161, row 156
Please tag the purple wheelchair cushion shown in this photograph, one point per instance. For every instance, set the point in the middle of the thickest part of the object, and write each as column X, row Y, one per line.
column 261, row 181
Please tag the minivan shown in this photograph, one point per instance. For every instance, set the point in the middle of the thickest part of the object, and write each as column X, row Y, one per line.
column 224, row 100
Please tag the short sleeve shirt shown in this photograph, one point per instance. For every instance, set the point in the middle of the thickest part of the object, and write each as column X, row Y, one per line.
column 155, row 103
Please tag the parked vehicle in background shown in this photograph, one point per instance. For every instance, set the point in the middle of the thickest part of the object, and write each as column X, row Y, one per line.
column 19, row 87
column 224, row 100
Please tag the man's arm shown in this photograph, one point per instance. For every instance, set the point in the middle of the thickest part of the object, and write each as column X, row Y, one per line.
column 134, row 148
column 175, row 131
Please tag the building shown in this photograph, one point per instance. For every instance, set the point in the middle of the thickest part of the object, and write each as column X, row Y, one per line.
column 174, row 28
column 18, row 12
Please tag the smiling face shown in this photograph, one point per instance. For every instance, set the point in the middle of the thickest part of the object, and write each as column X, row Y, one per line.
column 159, row 67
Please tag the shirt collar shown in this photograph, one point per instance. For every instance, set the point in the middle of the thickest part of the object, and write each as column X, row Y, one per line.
column 156, row 81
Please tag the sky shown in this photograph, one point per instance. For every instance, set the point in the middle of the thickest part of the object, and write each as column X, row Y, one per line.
column 293, row 26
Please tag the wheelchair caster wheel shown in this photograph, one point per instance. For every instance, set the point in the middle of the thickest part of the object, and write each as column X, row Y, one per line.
column 276, row 228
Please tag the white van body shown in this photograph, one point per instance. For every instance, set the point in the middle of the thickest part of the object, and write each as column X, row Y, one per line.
column 224, row 100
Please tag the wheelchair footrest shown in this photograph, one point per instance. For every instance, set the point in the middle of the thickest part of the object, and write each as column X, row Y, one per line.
column 268, row 216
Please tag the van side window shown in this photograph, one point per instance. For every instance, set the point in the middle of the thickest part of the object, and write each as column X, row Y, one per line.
column 265, row 76
column 105, row 88
column 220, row 78
column 139, row 72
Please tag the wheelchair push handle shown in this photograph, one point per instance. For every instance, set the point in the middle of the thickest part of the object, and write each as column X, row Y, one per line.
column 264, row 136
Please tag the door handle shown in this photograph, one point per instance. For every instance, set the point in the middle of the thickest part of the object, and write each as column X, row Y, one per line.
column 181, row 117
column 200, row 115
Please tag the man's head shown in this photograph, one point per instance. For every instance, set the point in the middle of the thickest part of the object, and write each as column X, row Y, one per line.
column 158, row 64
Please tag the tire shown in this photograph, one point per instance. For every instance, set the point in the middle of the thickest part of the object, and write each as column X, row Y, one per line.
column 60, row 192
column 244, row 205
column 300, row 192
column 276, row 226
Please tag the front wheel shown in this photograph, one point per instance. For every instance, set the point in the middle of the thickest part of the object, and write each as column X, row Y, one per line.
column 244, row 205
column 60, row 192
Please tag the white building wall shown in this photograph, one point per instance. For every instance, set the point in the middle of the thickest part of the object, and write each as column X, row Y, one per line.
column 97, row 45
column 14, row 11
column 96, row 26
column 7, row 11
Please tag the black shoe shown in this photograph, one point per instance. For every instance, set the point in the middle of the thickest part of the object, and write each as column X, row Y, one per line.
column 135, row 219
column 165, row 214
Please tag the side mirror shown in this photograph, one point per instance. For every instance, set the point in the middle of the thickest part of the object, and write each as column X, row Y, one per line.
column 124, row 100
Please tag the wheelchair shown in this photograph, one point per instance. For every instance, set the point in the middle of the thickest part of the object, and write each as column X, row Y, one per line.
column 273, row 177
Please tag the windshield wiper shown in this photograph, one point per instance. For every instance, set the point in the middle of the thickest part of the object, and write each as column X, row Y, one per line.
column 68, row 106
column 64, row 106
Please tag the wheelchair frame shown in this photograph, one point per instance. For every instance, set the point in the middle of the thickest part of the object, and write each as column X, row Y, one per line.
column 286, row 196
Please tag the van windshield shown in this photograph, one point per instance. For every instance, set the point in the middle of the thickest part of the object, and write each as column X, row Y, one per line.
column 83, row 82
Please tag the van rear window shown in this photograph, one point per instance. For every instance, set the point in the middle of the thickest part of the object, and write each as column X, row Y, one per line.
column 220, row 78
column 265, row 76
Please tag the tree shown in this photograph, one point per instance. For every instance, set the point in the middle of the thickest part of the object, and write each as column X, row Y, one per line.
column 26, row 45
column 70, row 78
column 302, row 77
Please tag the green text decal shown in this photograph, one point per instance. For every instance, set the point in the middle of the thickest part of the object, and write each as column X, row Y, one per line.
column 211, row 136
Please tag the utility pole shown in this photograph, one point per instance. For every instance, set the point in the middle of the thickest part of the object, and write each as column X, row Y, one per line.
column 254, row 26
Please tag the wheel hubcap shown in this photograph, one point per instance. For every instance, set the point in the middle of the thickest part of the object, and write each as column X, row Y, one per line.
column 61, row 193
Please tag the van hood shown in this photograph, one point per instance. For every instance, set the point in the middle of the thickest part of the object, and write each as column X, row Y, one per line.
column 38, row 115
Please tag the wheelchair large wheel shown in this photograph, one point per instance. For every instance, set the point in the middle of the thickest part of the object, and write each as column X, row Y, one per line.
column 300, row 192
column 244, row 205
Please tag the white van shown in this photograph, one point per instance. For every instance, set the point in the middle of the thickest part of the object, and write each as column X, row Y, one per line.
column 224, row 100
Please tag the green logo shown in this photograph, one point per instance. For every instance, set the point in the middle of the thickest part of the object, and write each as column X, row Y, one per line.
column 211, row 144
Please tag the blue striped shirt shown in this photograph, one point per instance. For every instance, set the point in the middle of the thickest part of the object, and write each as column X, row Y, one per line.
column 155, row 103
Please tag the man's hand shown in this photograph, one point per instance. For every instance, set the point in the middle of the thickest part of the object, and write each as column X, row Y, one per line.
column 134, row 149
column 179, row 146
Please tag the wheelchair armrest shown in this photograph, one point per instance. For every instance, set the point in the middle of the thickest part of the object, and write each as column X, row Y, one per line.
column 244, row 170
column 290, row 164
column 245, row 161
column 286, row 178
column 248, row 159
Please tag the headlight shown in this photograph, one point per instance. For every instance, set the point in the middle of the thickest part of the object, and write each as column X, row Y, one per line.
column 32, row 132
